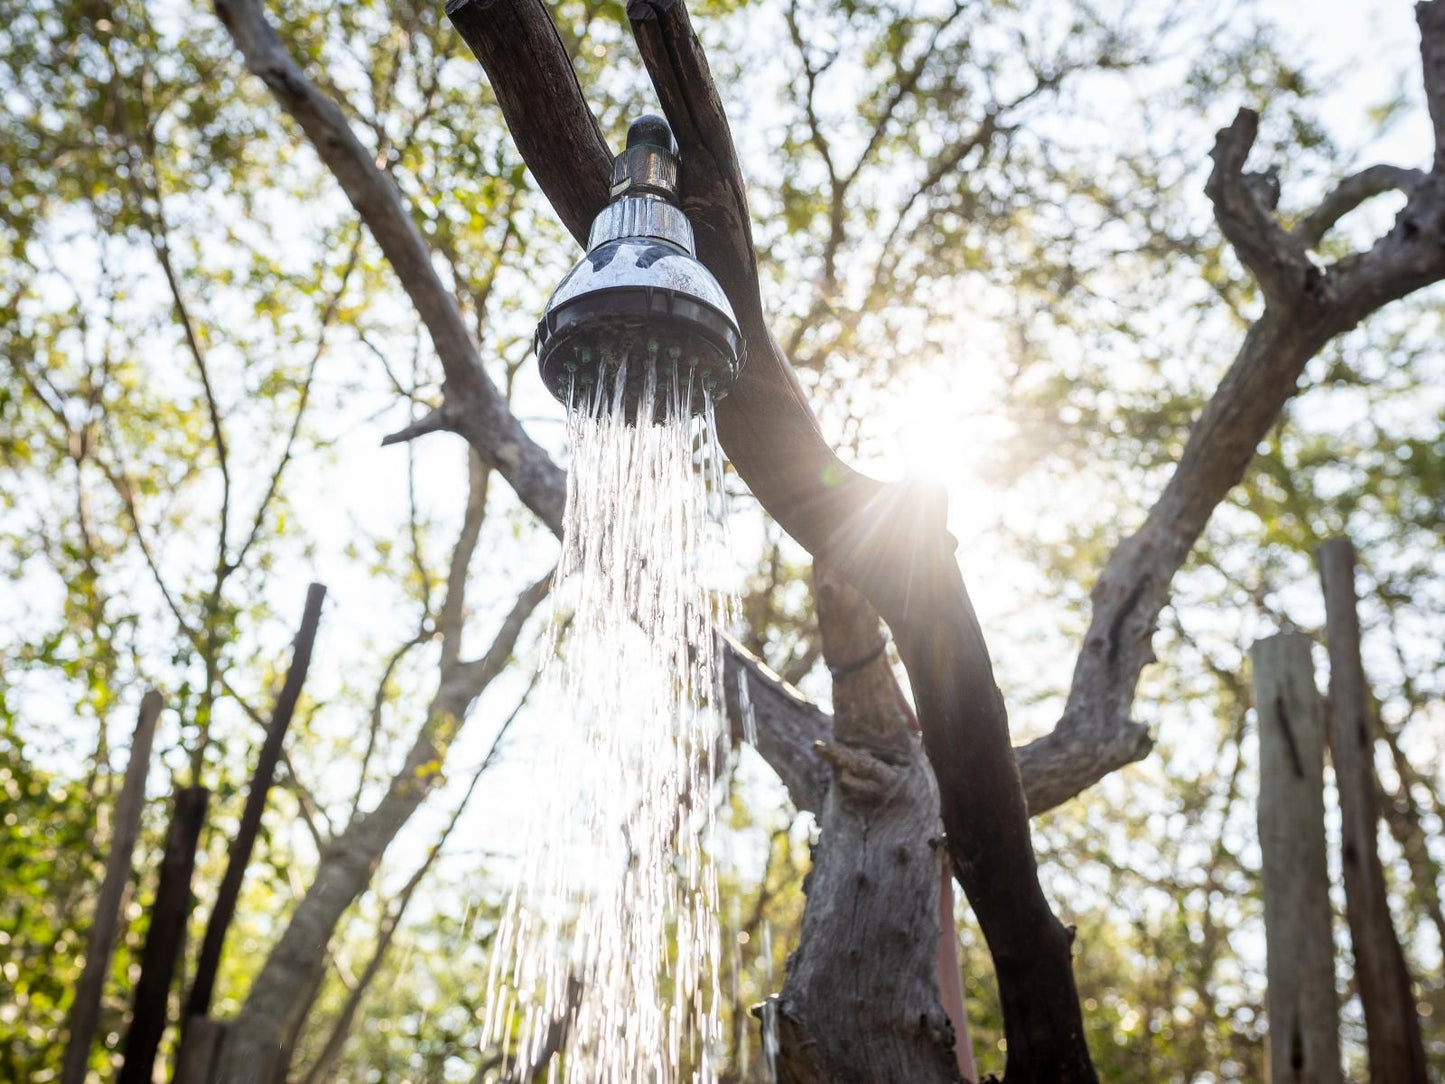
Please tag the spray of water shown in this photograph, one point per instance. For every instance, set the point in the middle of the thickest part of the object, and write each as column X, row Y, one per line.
column 604, row 966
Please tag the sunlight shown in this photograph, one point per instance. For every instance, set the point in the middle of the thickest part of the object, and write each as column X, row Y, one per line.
column 929, row 429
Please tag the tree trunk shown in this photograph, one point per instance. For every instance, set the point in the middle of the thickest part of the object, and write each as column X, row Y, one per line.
column 861, row 1001
column 85, row 1010
column 1304, row 1043
column 166, row 938
column 1391, row 1019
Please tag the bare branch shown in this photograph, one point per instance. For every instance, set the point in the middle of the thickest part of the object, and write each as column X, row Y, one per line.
column 542, row 104
column 1349, row 194
column 1276, row 260
column 378, row 703
column 328, row 313
column 786, row 725
column 1430, row 15
column 239, row 855
column 467, row 679
column 433, row 421
column 286, row 984
column 385, row 934
column 1095, row 735
column 482, row 415
column 454, row 604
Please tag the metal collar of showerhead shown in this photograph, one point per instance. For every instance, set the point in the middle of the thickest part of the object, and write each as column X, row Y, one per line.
column 639, row 317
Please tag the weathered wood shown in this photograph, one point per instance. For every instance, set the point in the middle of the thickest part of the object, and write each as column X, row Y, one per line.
column 1308, row 306
column 543, row 106
column 166, row 937
column 1299, row 958
column 209, row 962
column 1392, row 1021
column 861, row 1002
column 85, row 1009
column 889, row 540
column 196, row 1061
column 783, row 725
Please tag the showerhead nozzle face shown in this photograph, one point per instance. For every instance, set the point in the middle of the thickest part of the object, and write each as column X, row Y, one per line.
column 634, row 306
column 639, row 323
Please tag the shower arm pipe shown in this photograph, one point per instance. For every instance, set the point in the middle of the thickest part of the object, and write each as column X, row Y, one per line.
column 889, row 540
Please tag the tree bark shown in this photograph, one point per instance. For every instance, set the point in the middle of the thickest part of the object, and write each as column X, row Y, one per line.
column 861, row 1003
column 166, row 938
column 1304, row 1044
column 129, row 804
column 1392, row 1021
column 199, row 1003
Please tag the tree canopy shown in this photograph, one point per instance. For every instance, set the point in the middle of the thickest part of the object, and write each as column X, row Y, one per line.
column 984, row 241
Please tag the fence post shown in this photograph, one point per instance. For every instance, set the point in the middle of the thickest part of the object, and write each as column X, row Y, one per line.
column 166, row 938
column 129, row 804
column 1304, row 1043
column 1392, row 1021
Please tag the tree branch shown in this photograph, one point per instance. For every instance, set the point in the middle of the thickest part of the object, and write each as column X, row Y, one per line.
column 285, row 986
column 1349, row 194
column 784, row 726
column 542, row 104
column 889, row 540
column 480, row 413
column 1277, row 261
column 1430, row 15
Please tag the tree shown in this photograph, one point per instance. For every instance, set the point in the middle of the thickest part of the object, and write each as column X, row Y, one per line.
column 921, row 75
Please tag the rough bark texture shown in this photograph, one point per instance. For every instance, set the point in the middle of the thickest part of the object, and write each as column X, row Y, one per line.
column 209, row 961
column 785, row 727
column 85, row 1009
column 166, row 938
column 1304, row 1043
column 1392, row 1021
column 861, row 1001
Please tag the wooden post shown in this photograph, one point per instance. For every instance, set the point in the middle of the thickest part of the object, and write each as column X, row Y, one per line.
column 1303, row 1009
column 165, row 938
column 85, row 1009
column 200, row 1048
column 1392, row 1022
column 209, row 962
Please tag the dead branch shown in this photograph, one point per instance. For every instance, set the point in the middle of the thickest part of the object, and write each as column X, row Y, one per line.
column 129, row 804
column 1349, row 194
column 209, row 962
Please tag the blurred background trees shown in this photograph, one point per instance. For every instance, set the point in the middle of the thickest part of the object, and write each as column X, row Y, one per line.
column 985, row 244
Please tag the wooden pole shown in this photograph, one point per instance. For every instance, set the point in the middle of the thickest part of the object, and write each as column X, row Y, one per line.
column 224, row 910
column 85, row 1009
column 1392, row 1021
column 166, row 937
column 1299, row 958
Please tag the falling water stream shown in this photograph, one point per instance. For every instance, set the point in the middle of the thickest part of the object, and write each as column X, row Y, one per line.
column 608, row 949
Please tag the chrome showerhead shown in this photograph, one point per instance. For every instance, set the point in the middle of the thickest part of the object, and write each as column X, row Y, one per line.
column 639, row 305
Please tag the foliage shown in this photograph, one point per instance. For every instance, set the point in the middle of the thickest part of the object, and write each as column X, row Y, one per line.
column 203, row 350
